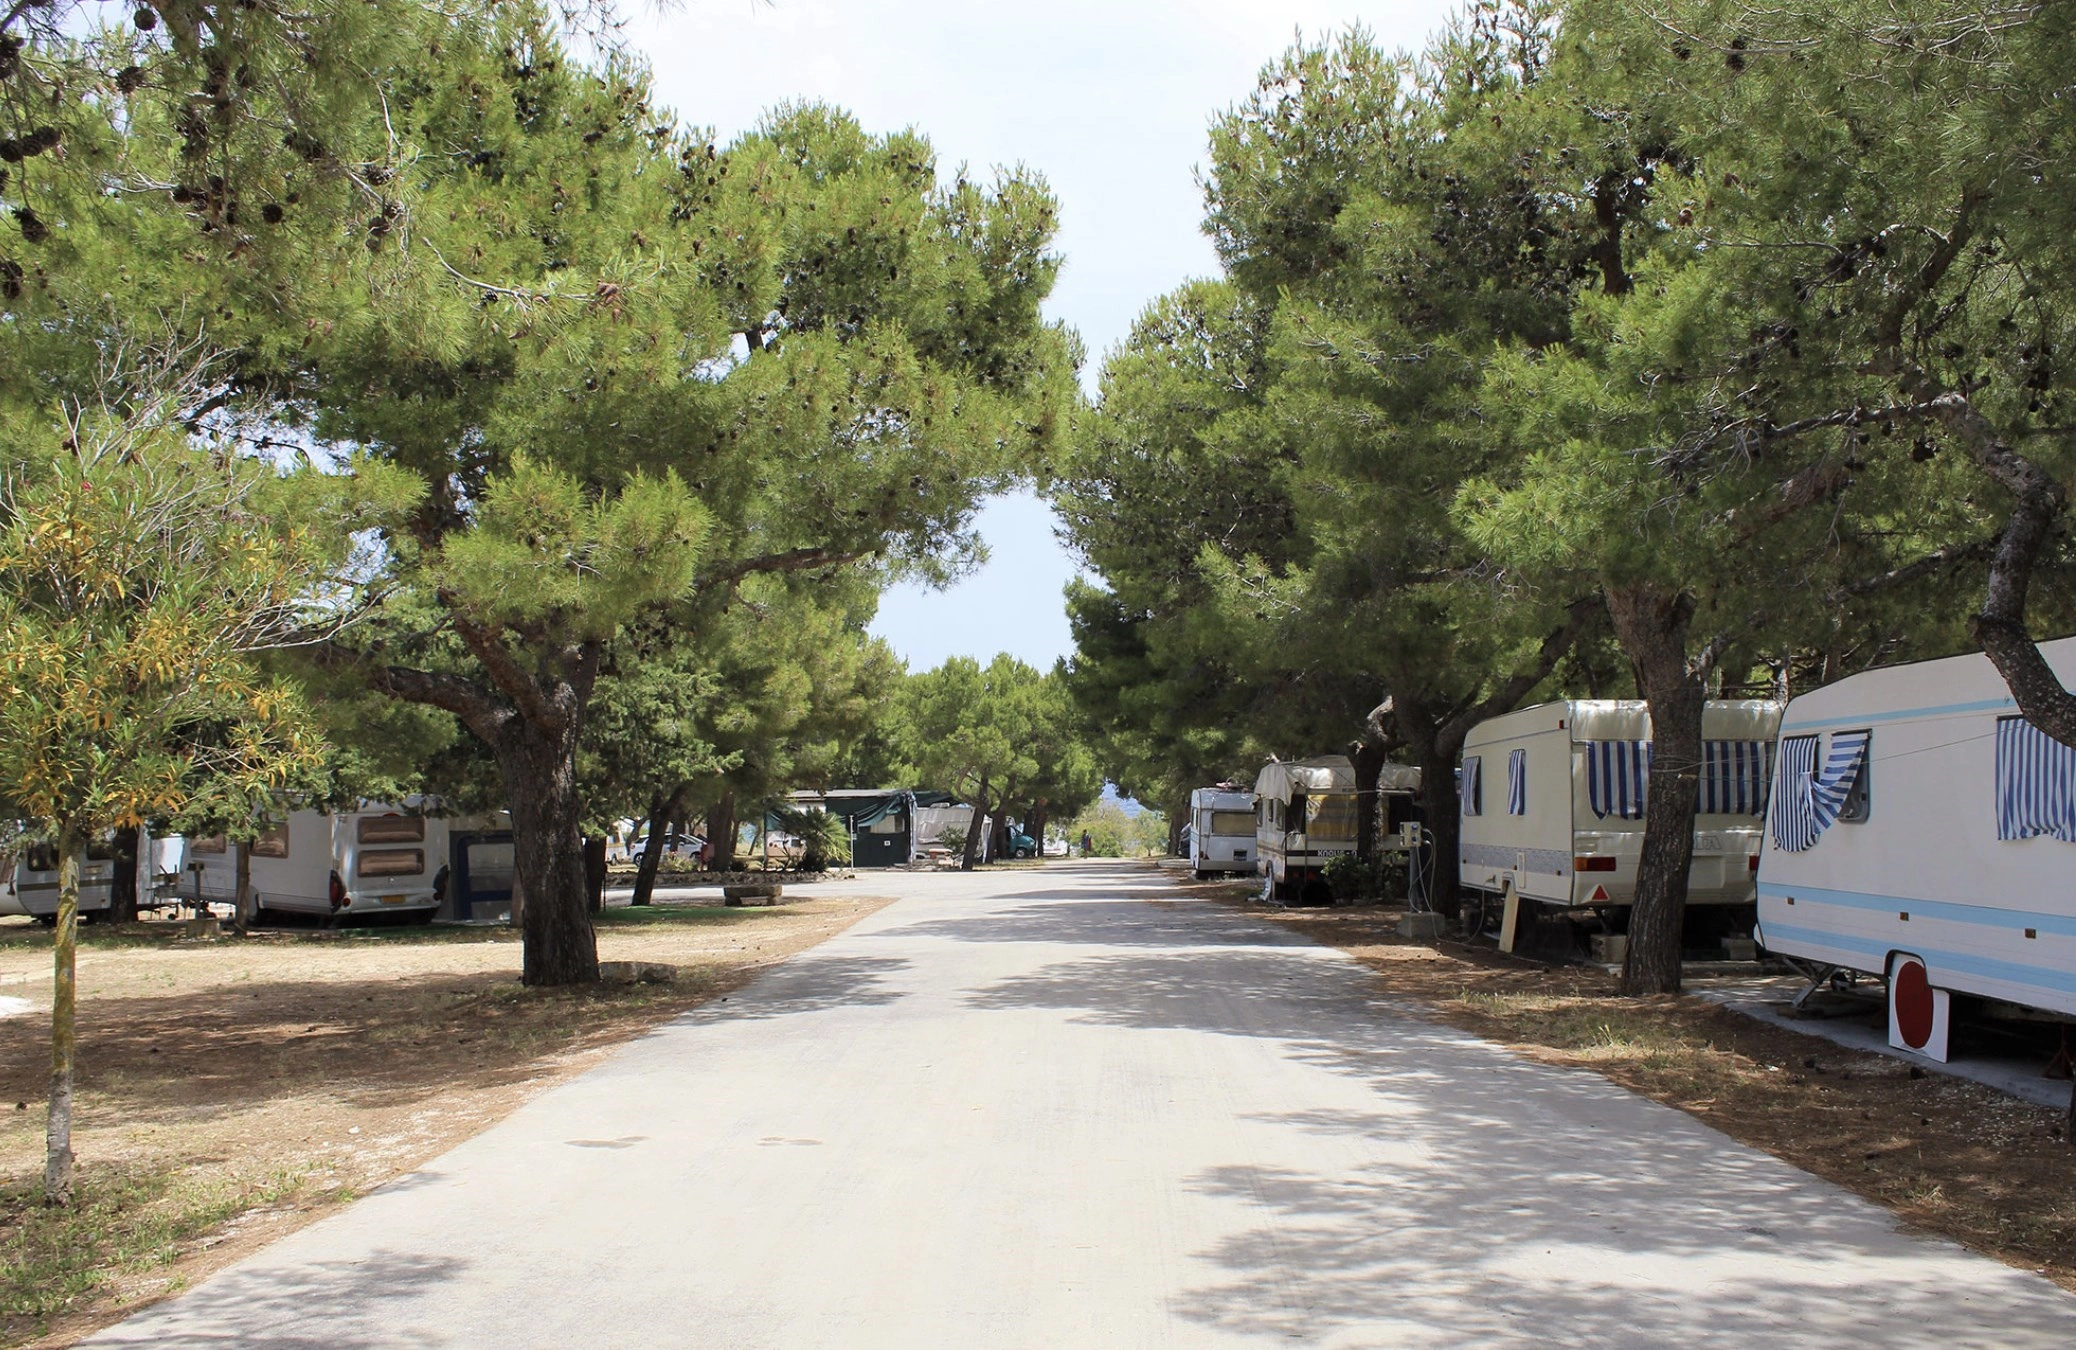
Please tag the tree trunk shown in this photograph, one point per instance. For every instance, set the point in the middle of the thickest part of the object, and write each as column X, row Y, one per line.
column 652, row 856
column 721, row 831
column 242, row 906
column 1441, row 826
column 1035, row 825
column 538, row 767
column 1367, row 757
column 594, row 873
column 1652, row 624
column 975, row 826
column 64, row 1029
column 122, row 887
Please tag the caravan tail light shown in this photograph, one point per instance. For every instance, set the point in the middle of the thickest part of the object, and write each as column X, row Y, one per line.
column 337, row 891
column 1755, row 862
column 1593, row 864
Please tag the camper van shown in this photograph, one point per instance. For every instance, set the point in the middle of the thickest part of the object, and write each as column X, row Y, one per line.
column 1221, row 831
column 1923, row 832
column 1551, row 800
column 30, row 882
column 378, row 860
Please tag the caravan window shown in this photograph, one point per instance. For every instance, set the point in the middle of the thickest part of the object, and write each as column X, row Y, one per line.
column 214, row 843
column 1469, row 789
column 390, row 862
column 40, row 858
column 1232, row 822
column 1811, row 791
column 2036, row 783
column 1294, row 814
column 1858, row 804
column 272, row 844
column 1517, row 782
column 390, row 829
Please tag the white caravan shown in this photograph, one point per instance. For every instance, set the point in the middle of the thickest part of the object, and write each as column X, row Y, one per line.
column 1221, row 831
column 1305, row 813
column 1924, row 832
column 1551, row 800
column 30, row 882
column 378, row 860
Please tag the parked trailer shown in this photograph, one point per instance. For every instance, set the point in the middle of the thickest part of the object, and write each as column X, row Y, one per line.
column 1922, row 831
column 1305, row 813
column 31, row 885
column 378, row 860
column 1552, row 803
column 1221, row 831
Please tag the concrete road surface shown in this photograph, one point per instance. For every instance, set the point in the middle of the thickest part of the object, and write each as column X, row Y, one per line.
column 1059, row 1108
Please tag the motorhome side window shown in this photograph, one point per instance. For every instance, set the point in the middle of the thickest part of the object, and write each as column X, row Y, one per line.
column 390, row 862
column 390, row 829
column 1858, row 804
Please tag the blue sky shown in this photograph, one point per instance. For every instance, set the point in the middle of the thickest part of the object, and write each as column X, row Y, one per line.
column 1108, row 99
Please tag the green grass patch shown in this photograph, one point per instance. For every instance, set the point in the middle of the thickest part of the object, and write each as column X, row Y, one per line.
column 123, row 1221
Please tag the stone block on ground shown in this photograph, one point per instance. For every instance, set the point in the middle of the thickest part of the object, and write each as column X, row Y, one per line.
column 1422, row 927
column 755, row 893
column 636, row 972
column 1610, row 949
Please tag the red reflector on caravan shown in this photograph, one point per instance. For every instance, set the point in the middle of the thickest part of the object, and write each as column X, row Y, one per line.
column 1588, row 863
column 1755, row 862
column 1599, row 893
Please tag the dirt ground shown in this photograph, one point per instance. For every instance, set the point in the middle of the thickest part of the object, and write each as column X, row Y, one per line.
column 233, row 1089
column 1949, row 1156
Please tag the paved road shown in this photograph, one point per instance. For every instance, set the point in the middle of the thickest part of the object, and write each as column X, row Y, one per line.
column 1059, row 1109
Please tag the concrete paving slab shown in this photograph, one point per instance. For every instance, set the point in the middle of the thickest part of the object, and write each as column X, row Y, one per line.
column 1065, row 1108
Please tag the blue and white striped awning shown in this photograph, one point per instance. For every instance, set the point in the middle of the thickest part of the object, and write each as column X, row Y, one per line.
column 2036, row 783
column 1805, row 800
column 1734, row 777
column 1618, row 777
column 1517, row 783
column 1467, row 785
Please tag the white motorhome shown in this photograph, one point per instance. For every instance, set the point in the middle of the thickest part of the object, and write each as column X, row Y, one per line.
column 377, row 860
column 1551, row 800
column 1922, row 831
column 30, row 882
column 1221, row 831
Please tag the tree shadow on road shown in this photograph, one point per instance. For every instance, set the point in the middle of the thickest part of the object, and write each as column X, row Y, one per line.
column 809, row 983
column 332, row 1305
column 1494, row 1199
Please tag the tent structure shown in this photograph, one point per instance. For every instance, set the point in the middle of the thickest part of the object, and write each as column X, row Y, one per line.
column 880, row 821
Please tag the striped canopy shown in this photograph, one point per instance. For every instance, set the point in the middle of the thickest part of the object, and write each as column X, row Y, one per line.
column 1618, row 775
column 1517, row 783
column 1734, row 777
column 2036, row 783
column 1807, row 800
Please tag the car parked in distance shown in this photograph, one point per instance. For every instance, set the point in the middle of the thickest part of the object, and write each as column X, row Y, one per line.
column 673, row 844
